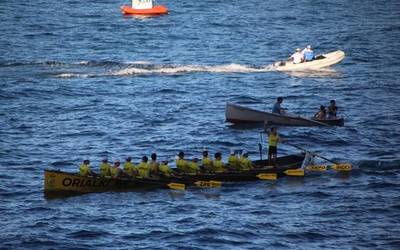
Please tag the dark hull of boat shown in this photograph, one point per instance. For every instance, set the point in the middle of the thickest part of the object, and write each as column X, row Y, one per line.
column 284, row 163
column 58, row 183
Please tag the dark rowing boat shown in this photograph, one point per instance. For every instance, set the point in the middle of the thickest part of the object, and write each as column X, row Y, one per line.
column 63, row 183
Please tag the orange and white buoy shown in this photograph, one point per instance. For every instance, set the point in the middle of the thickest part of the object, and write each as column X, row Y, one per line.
column 144, row 7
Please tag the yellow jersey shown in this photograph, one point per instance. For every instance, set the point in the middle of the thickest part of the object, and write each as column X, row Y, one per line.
column 218, row 166
column 129, row 168
column 165, row 169
column 84, row 170
column 233, row 161
column 182, row 165
column 105, row 169
column 245, row 163
column 273, row 140
column 115, row 172
column 143, row 169
column 193, row 167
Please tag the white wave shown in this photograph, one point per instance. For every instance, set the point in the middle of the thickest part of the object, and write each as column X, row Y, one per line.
column 74, row 75
column 138, row 62
column 83, row 63
column 226, row 68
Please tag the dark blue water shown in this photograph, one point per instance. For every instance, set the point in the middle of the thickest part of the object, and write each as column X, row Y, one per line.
column 80, row 80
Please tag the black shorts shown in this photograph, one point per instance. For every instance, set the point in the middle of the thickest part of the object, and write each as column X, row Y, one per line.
column 272, row 150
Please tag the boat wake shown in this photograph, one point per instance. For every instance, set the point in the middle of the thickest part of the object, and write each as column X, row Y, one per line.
column 88, row 69
column 172, row 69
column 142, row 68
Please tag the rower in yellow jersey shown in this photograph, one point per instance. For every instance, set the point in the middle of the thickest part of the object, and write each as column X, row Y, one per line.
column 181, row 163
column 144, row 168
column 233, row 161
column 84, row 168
column 129, row 168
column 165, row 170
column 193, row 166
column 273, row 140
column 206, row 162
column 244, row 162
column 153, row 165
column 218, row 164
column 105, row 168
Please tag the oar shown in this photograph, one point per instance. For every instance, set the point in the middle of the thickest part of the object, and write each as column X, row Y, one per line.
column 317, row 168
column 337, row 166
column 210, row 184
column 176, row 186
column 267, row 176
column 294, row 172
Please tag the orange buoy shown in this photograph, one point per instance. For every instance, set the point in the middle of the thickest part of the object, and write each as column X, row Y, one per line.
column 155, row 10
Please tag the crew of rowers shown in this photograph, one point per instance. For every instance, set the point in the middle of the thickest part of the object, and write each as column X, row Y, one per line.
column 153, row 168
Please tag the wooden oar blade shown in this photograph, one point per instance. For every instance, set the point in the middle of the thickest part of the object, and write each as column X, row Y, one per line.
column 176, row 186
column 342, row 167
column 210, row 184
column 295, row 172
column 267, row 176
column 317, row 168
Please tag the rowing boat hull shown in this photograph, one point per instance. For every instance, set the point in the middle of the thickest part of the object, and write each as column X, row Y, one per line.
column 242, row 115
column 329, row 60
column 71, row 183
column 58, row 183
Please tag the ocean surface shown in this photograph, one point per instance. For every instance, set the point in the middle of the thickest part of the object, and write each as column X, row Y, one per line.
column 79, row 80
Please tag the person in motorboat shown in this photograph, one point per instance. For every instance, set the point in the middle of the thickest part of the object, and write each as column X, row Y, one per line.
column 144, row 168
column 84, row 169
column 245, row 162
column 154, row 164
column 332, row 110
column 277, row 109
column 308, row 54
column 206, row 162
column 321, row 114
column 297, row 57
column 105, row 168
column 129, row 168
column 115, row 170
column 218, row 164
column 273, row 140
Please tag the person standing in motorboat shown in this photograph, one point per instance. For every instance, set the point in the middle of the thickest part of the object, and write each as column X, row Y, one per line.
column 308, row 54
column 277, row 109
column 297, row 57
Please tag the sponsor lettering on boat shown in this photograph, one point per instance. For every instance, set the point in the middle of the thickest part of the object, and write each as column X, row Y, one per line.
column 82, row 182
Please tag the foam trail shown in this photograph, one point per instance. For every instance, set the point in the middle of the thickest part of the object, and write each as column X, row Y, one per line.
column 75, row 75
column 227, row 68
column 146, row 68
